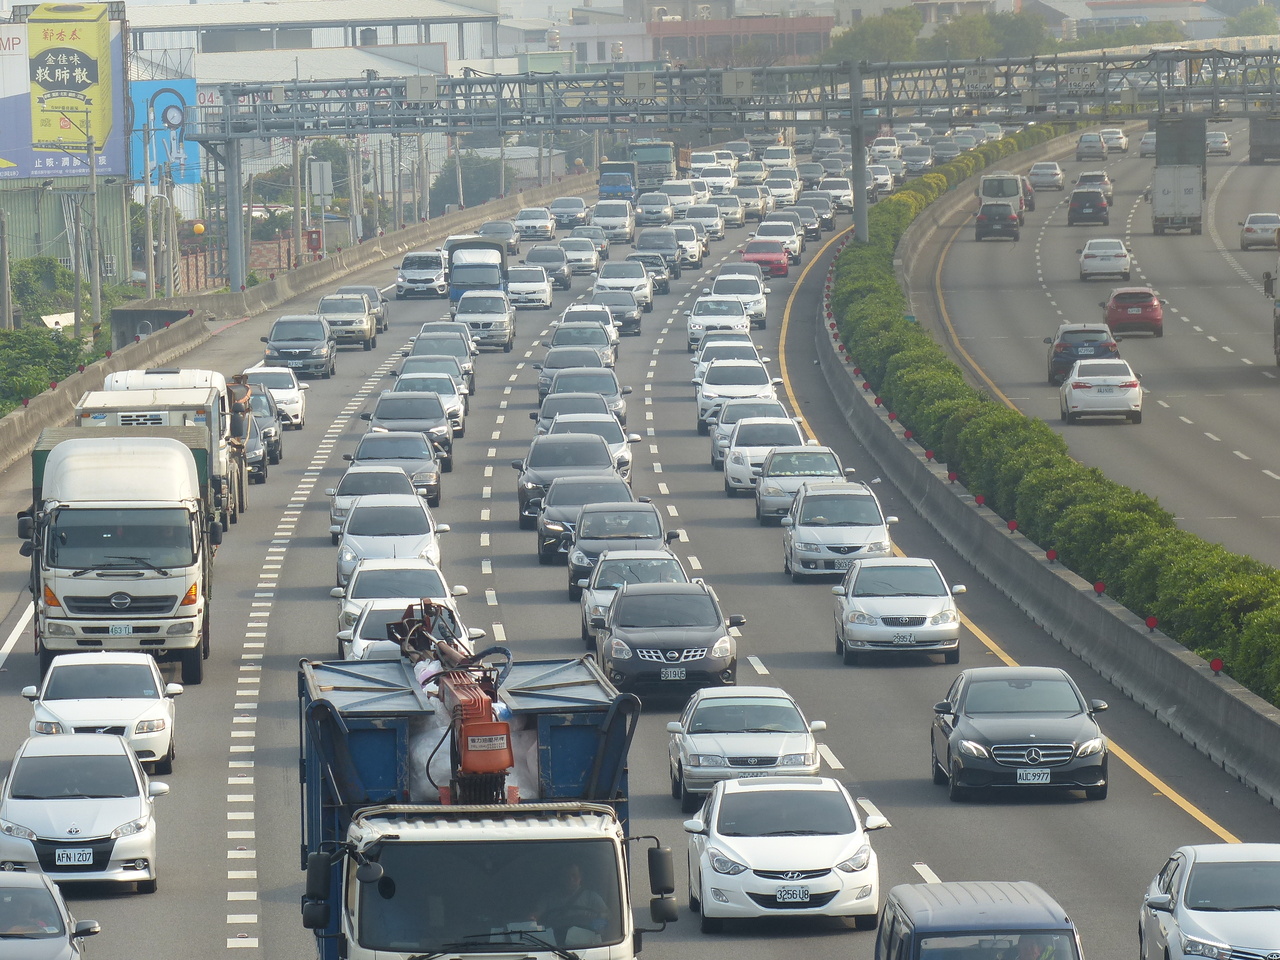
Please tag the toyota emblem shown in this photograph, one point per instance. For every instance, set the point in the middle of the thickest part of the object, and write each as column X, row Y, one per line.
column 1033, row 755
column 1273, row 956
column 73, row 830
column 673, row 654
column 121, row 601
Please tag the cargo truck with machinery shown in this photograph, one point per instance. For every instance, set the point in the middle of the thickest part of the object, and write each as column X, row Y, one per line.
column 201, row 407
column 1177, row 199
column 121, row 535
column 469, row 805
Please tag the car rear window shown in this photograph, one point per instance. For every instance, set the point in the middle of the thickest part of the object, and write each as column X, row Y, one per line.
column 1138, row 296
column 1085, row 336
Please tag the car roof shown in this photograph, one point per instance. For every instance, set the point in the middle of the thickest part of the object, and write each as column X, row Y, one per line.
column 365, row 564
column 895, row 562
column 693, row 588
column 637, row 555
column 979, row 905
column 1137, row 289
column 1232, row 852
column 729, row 362
column 752, row 421
column 585, row 418
column 1076, row 327
column 829, row 487
column 1019, row 672
column 725, row 693
column 782, row 784
column 268, row 369
column 390, row 500
column 580, row 438
column 74, row 745
column 619, row 506
column 373, row 466
column 100, row 657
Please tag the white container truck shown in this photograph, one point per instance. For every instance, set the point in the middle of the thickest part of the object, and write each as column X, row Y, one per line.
column 121, row 546
column 1177, row 199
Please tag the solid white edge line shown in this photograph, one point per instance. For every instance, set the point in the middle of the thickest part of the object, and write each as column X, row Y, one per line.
column 20, row 626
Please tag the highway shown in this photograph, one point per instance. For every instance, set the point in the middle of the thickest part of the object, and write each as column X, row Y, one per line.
column 1209, row 444
column 229, row 850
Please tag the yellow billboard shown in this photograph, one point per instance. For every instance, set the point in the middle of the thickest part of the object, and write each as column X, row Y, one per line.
column 72, row 76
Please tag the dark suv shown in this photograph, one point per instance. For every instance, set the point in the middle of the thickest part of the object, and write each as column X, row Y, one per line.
column 1088, row 205
column 564, row 499
column 997, row 218
column 564, row 455
column 1078, row 341
column 552, row 259
column 662, row 241
column 305, row 344
column 667, row 636
column 656, row 267
column 612, row 526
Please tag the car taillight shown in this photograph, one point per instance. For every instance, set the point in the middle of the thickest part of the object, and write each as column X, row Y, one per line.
column 1090, row 256
column 1080, row 385
column 1248, row 229
column 1059, row 348
column 1128, row 385
column 982, row 218
column 1109, row 345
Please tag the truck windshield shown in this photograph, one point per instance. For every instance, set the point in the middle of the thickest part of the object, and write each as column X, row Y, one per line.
column 995, row 941
column 466, row 897
column 653, row 154
column 125, row 539
column 475, row 274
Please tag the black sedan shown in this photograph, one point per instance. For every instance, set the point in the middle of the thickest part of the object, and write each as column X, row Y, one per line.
column 270, row 423
column 623, row 307
column 549, row 457
column 605, row 526
column 1017, row 728
column 564, row 500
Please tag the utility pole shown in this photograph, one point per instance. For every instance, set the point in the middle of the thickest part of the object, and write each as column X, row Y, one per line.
column 859, row 154
column 150, row 237
column 297, row 203
column 6, row 299
column 77, row 229
column 457, row 166
column 424, row 194
column 95, row 265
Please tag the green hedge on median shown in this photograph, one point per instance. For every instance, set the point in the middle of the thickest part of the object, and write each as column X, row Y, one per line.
column 1215, row 603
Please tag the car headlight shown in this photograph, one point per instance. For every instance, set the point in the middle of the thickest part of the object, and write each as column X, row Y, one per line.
column 707, row 760
column 877, row 546
column 722, row 648
column 320, row 351
column 48, row 726
column 54, row 629
column 400, row 279
column 946, row 616
column 972, row 749
column 130, row 828
column 863, row 619
column 809, row 547
column 528, row 485
column 347, row 555
column 426, row 478
column 438, row 431
column 10, row 829
column 696, row 324
column 796, row 760
column 722, row 864
column 617, row 650
column 709, row 393
column 772, row 490
column 1091, row 747
column 737, row 458
column 553, row 526
column 1193, row 947
column 857, row 862
column 149, row 726
column 596, row 609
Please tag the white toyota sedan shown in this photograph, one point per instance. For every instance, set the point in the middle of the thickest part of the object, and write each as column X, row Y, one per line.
column 1105, row 258
column 1101, row 388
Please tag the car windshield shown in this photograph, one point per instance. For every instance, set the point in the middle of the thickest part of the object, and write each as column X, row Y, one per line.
column 622, row 525
column 30, row 914
column 1271, row 219
column 611, row 574
column 767, row 435
column 535, row 214
column 746, row 715
column 592, row 334
column 997, row 210
column 274, row 381
column 526, row 275
column 260, row 404
column 1060, row 946
column 764, row 246
column 896, row 581
column 746, row 375
column 1001, row 187
column 361, row 483
column 615, row 298
column 845, row 510
column 605, row 384
column 387, row 521
column 1021, row 695
column 1084, row 336
column 615, row 180
column 580, row 492
column 558, row 454
column 917, row 153
column 342, row 305
column 615, row 271
column 737, row 285
column 297, row 330
column 1244, row 885
column 101, row 681
column 1109, row 247
column 718, row 308
column 578, row 244
column 655, row 200
column 374, row 447
column 376, row 584
column 427, row 383
column 562, row 357
column 447, row 365
column 777, row 228
column 665, row 610
column 678, row 189
column 607, row 429
column 1045, row 167
column 1104, row 368
column 554, row 406
column 805, row 464
column 545, row 255
column 1134, row 297
column 496, row 229
column 785, row 813
column 447, row 346
column 568, row 203
column 727, row 351
column 409, row 408
column 610, row 209
column 73, row 778
column 733, row 412
column 482, row 305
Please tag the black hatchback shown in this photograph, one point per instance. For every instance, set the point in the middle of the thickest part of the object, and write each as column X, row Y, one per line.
column 1078, row 341
column 552, row 259
column 1088, row 205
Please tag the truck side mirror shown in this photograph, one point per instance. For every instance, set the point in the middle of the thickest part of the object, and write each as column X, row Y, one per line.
column 215, row 533
column 662, row 874
column 27, row 549
column 26, row 527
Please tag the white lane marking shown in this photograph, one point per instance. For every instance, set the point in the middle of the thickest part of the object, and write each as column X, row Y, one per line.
column 696, row 564
column 1242, row 456
column 1212, row 437
column 499, row 633
column 18, row 627
column 759, row 667
column 924, row 871
column 491, row 597
column 671, row 511
column 825, row 752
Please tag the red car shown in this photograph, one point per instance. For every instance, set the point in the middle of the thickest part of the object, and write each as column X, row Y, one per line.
column 769, row 254
column 1134, row 308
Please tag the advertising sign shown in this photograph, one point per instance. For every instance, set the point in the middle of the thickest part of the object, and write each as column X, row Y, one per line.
column 62, row 81
column 158, row 142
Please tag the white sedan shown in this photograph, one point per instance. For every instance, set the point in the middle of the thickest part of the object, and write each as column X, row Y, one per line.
column 1101, row 388
column 1259, row 230
column 104, row 692
column 782, row 847
column 1105, row 258
column 1115, row 140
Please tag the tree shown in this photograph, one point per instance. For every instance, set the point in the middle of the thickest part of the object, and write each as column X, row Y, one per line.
column 890, row 36
column 479, row 182
column 964, row 38
column 1254, row 22
column 1020, row 34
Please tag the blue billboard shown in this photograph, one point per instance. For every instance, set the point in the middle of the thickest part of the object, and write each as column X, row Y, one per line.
column 158, row 140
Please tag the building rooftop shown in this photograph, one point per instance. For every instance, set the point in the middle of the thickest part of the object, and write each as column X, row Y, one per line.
column 305, row 13
column 279, row 66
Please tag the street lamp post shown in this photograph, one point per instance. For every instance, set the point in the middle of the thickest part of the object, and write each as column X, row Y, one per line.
column 95, row 267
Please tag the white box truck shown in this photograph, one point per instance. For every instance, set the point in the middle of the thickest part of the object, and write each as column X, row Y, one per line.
column 1177, row 198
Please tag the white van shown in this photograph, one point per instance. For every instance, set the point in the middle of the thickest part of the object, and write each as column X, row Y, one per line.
column 1005, row 186
column 616, row 218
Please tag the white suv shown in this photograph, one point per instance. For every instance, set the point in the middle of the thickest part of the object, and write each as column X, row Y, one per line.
column 617, row 218
column 681, row 194
column 529, row 287
column 750, row 291
column 490, row 317
column 730, row 380
column 749, row 441
column 715, row 313
column 628, row 275
column 785, row 233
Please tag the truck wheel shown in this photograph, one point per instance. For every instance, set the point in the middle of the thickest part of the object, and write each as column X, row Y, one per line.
column 192, row 666
column 506, row 347
column 45, row 657
column 369, row 343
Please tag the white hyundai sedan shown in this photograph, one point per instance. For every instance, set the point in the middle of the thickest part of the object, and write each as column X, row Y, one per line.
column 1105, row 258
column 105, row 692
column 782, row 847
column 1101, row 388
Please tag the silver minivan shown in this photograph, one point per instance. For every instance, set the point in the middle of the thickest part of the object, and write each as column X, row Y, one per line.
column 616, row 218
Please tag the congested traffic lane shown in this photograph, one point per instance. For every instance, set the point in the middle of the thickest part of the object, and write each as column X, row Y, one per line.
column 1206, row 447
column 1094, row 857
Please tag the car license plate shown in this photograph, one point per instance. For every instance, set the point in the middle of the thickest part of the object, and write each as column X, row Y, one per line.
column 904, row 638
column 1134, row 310
column 792, row 895
column 671, row 673
column 73, row 857
column 119, row 630
column 1106, row 391
column 751, row 773
column 1086, row 209
column 1085, row 351
column 1033, row 776
column 295, row 363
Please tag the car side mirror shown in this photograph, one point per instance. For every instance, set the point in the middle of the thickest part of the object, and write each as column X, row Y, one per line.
column 304, row 386
column 264, row 339
column 366, row 416
column 337, row 592
column 517, row 464
column 838, row 589
column 694, row 826
column 596, row 622
column 671, row 536
column 787, row 522
column 625, row 391
column 943, row 707
column 958, row 589
column 1097, row 706
column 533, row 415
column 706, row 289
column 335, row 529
column 1102, row 303
column 888, row 520
column 534, row 503
column 443, row 528
column 1048, row 339
column 477, row 633
column 633, row 438
column 157, row 788
column 347, row 457
column 173, row 690
column 1160, row 902
column 346, row 635
column 29, row 693
column 737, row 620
column 673, row 726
